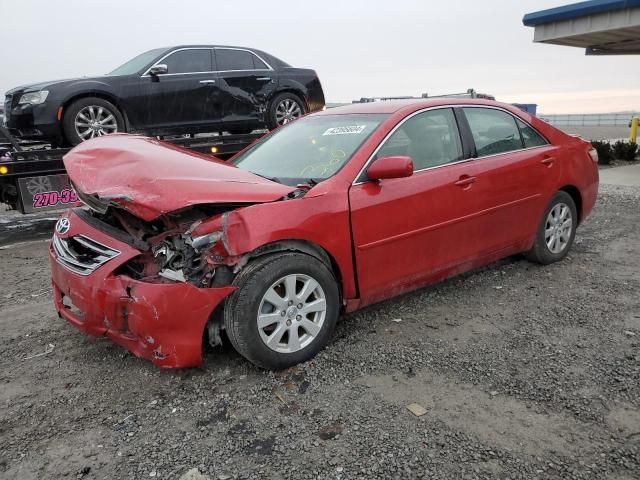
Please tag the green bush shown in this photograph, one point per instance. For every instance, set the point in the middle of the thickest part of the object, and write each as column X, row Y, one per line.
column 605, row 152
column 625, row 151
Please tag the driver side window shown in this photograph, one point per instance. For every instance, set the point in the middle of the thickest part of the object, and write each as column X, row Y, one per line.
column 189, row 61
column 430, row 138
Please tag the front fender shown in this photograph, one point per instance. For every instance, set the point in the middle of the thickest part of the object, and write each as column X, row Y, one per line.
column 318, row 220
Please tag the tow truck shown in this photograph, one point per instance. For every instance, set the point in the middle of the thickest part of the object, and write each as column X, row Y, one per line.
column 33, row 178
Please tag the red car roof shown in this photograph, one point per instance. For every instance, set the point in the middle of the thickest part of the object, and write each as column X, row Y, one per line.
column 393, row 106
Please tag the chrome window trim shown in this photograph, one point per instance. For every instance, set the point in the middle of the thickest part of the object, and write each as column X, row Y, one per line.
column 157, row 62
column 439, row 107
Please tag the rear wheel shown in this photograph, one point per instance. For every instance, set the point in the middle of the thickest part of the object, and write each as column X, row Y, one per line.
column 91, row 117
column 284, row 108
column 556, row 230
column 284, row 311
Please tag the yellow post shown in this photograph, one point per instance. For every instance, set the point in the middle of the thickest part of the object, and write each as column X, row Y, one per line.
column 633, row 135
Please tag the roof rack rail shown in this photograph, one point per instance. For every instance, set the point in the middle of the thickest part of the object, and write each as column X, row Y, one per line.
column 470, row 93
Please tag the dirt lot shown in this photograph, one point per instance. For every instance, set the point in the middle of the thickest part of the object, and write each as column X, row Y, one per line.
column 524, row 371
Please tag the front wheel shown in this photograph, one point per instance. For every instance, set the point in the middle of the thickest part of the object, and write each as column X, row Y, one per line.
column 284, row 310
column 556, row 230
column 284, row 108
column 91, row 117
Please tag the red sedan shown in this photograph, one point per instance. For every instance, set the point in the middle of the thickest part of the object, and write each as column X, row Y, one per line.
column 335, row 211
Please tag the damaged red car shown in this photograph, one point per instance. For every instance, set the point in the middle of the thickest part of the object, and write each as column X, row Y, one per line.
column 332, row 212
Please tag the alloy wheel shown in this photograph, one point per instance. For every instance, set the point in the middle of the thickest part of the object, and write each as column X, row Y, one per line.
column 291, row 313
column 558, row 228
column 287, row 111
column 95, row 121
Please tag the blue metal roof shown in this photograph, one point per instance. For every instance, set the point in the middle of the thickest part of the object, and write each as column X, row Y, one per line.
column 575, row 10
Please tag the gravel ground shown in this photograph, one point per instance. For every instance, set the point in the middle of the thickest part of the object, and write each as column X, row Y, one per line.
column 524, row 372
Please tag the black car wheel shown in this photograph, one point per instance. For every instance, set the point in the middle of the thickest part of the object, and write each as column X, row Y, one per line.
column 556, row 230
column 283, row 109
column 284, row 310
column 91, row 117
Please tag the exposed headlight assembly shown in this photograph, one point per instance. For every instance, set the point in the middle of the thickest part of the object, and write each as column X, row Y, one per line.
column 33, row 98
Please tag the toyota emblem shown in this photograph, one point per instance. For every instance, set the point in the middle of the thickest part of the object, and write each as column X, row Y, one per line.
column 63, row 225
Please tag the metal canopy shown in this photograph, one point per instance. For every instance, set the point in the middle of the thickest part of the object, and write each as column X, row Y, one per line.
column 602, row 27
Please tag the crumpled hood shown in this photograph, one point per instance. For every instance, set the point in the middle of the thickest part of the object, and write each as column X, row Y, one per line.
column 149, row 177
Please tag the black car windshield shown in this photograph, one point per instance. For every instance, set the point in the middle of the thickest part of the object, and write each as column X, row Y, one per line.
column 136, row 64
column 310, row 149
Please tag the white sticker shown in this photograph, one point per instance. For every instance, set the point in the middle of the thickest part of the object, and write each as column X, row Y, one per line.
column 349, row 130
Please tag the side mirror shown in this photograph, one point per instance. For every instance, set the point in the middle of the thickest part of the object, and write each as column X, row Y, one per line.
column 158, row 69
column 390, row 167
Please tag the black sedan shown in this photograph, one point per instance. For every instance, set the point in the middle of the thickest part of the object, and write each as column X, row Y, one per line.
column 168, row 91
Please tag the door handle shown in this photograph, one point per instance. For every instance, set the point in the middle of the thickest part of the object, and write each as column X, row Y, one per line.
column 465, row 181
column 207, row 81
column 548, row 161
column 263, row 79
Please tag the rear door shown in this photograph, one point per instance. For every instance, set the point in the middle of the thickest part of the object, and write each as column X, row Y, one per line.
column 515, row 171
column 245, row 83
column 407, row 231
column 182, row 98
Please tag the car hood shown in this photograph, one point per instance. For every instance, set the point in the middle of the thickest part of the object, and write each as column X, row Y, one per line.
column 34, row 87
column 148, row 177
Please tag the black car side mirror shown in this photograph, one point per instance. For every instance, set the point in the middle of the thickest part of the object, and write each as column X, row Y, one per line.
column 158, row 69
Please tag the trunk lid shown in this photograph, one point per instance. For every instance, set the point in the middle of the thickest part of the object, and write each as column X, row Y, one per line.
column 148, row 177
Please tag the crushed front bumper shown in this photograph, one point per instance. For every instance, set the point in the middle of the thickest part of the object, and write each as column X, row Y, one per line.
column 163, row 322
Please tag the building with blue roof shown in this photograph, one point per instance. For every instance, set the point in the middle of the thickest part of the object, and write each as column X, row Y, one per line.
column 601, row 27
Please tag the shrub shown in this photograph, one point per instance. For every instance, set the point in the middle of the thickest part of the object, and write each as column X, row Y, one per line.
column 605, row 152
column 625, row 151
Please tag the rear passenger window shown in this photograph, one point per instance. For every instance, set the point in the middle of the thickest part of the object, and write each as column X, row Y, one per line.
column 430, row 138
column 494, row 131
column 227, row 59
column 530, row 137
column 189, row 61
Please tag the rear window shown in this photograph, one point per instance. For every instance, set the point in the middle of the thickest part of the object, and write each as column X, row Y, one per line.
column 494, row 131
column 227, row 59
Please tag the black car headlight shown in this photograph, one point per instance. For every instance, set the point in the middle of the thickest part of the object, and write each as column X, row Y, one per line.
column 33, row 98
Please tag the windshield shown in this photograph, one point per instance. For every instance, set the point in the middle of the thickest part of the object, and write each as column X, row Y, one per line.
column 310, row 149
column 137, row 63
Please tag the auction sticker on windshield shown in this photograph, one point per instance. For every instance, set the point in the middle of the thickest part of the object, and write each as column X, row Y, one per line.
column 348, row 130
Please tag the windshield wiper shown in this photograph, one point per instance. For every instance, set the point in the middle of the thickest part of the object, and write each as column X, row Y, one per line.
column 312, row 182
column 273, row 179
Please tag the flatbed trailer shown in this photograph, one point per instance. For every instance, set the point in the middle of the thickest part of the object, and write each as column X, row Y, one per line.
column 33, row 178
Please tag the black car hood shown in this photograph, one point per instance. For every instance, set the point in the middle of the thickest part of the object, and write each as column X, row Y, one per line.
column 34, row 87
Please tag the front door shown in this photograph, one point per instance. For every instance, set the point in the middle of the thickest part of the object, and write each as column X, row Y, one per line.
column 409, row 231
column 181, row 99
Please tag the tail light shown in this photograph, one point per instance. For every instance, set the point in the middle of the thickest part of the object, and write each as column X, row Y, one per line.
column 593, row 153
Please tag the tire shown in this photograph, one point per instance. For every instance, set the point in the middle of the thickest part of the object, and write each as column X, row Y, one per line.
column 544, row 250
column 103, row 111
column 282, row 103
column 260, row 279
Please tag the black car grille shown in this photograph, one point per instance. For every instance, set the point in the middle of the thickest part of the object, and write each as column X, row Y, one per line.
column 81, row 254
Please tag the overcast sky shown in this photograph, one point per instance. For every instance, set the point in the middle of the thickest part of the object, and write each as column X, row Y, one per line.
column 359, row 48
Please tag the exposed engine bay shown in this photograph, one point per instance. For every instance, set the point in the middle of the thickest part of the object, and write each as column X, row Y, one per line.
column 170, row 253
